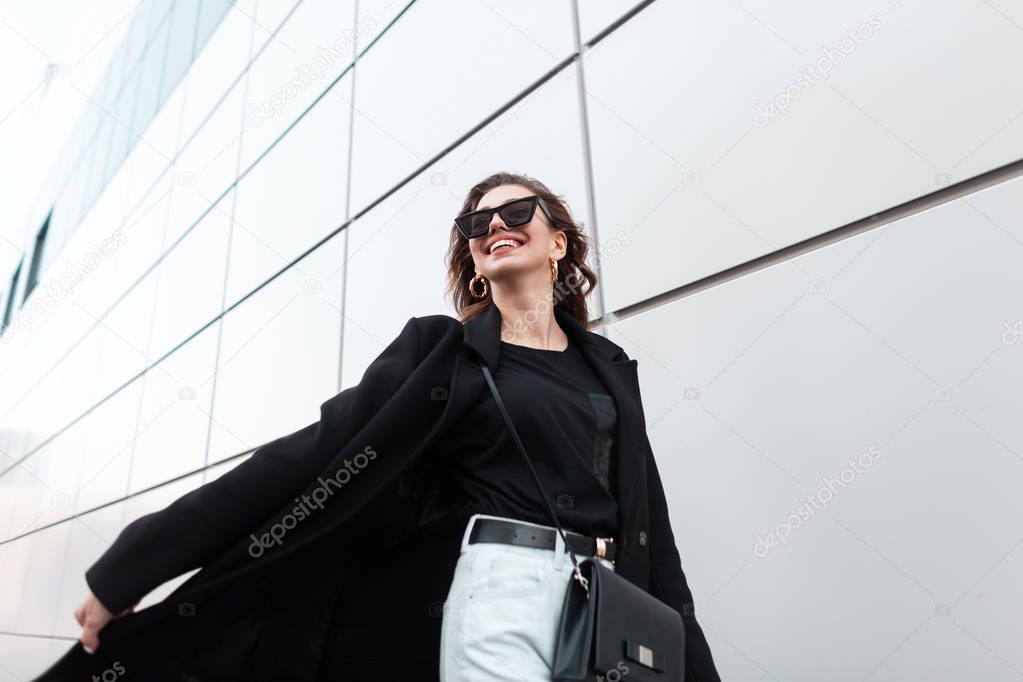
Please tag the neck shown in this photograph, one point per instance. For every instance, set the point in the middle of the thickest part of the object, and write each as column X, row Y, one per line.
column 528, row 320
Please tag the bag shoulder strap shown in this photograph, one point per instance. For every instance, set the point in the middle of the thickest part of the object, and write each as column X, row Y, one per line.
column 529, row 463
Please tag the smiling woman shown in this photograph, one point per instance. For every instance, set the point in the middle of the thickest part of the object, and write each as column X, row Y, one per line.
column 432, row 479
column 529, row 265
column 508, row 203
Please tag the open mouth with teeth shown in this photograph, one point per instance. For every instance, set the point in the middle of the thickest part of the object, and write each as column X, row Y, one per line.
column 504, row 245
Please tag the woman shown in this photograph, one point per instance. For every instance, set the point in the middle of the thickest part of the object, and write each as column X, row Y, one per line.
column 423, row 545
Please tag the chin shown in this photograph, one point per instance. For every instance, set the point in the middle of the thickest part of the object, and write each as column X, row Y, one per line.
column 511, row 269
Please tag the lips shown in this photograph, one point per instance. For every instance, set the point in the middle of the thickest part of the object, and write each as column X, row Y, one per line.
column 503, row 244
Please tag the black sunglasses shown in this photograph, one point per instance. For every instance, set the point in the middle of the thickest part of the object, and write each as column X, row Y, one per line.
column 515, row 213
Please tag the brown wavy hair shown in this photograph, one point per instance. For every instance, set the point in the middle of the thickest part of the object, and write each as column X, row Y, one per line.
column 576, row 279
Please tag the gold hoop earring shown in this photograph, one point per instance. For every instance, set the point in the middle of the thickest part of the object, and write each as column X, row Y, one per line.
column 472, row 288
column 554, row 270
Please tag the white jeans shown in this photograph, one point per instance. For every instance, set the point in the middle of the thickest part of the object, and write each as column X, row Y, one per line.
column 502, row 610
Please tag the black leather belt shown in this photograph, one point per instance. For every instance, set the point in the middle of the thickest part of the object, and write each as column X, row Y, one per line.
column 525, row 535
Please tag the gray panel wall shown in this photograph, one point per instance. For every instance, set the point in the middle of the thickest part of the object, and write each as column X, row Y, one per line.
column 838, row 432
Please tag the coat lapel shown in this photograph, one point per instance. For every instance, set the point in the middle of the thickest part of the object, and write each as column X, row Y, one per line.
column 483, row 335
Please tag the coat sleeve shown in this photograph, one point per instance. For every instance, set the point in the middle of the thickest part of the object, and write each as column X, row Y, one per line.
column 668, row 582
column 195, row 528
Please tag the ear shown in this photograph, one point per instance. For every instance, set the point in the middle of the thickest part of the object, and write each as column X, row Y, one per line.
column 560, row 240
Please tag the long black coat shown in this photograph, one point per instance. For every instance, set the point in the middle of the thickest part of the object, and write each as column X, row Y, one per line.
column 294, row 565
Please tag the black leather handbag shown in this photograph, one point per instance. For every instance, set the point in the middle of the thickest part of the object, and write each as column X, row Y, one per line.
column 610, row 629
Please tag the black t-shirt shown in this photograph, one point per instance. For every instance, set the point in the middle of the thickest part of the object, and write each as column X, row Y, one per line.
column 567, row 422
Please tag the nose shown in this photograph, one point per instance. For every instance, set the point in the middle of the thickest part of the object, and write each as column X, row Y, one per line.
column 496, row 221
column 496, row 226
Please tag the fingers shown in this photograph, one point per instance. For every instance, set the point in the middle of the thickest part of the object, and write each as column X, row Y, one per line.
column 93, row 616
column 90, row 637
column 92, row 620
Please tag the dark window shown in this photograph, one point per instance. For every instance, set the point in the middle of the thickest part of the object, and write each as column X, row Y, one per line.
column 10, row 298
column 37, row 259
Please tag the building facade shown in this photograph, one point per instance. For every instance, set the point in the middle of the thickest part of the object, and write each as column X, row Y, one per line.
column 807, row 231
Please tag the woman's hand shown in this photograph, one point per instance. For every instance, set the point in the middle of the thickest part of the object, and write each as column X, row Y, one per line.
column 93, row 617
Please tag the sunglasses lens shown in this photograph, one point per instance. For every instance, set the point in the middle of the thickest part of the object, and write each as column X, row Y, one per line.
column 480, row 224
column 517, row 213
